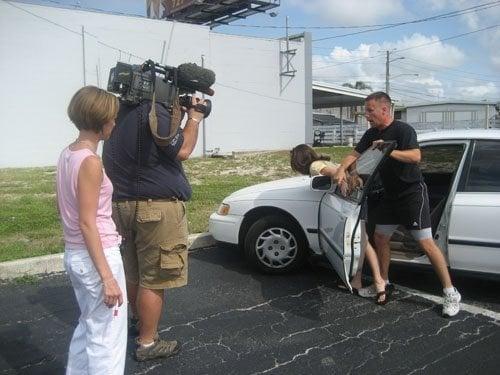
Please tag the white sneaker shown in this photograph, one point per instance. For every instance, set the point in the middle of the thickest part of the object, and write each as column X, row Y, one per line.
column 451, row 304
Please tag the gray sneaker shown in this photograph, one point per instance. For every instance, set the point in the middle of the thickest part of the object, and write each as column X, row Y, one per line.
column 160, row 349
column 451, row 304
column 371, row 292
column 368, row 291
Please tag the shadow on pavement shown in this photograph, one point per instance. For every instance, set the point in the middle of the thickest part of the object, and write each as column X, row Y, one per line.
column 23, row 356
column 303, row 286
column 64, row 307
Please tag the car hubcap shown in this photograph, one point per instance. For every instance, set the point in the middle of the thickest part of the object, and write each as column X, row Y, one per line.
column 276, row 247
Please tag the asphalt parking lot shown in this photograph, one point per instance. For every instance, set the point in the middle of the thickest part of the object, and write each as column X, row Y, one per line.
column 232, row 320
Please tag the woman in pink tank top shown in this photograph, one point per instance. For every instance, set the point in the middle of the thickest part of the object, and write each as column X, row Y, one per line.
column 92, row 256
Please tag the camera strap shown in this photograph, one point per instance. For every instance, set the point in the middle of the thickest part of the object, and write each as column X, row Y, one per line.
column 175, row 121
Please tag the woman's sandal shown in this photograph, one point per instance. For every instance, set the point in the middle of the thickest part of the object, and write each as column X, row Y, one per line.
column 380, row 302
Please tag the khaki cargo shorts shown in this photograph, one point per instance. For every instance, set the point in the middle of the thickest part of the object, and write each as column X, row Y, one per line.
column 155, row 242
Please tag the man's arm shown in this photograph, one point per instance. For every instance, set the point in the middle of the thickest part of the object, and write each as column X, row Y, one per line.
column 190, row 131
column 409, row 151
column 340, row 175
column 412, row 156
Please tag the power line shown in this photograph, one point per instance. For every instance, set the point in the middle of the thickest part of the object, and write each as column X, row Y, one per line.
column 348, row 62
column 439, row 16
column 448, row 68
column 139, row 57
column 414, row 47
column 448, row 38
column 78, row 7
column 414, row 97
column 427, row 69
column 426, row 94
column 426, row 19
column 414, row 92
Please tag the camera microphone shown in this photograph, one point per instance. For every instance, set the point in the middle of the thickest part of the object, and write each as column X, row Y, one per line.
column 196, row 78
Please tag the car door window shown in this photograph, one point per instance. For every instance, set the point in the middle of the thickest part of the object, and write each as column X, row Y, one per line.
column 364, row 172
column 484, row 171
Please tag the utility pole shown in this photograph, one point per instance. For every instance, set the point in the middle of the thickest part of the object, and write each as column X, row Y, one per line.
column 387, row 70
column 387, row 54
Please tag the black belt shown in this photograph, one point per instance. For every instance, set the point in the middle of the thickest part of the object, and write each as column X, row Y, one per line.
column 171, row 199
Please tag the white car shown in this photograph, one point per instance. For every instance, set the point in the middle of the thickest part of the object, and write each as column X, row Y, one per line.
column 279, row 223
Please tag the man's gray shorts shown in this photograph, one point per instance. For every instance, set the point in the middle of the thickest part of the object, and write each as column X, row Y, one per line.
column 418, row 234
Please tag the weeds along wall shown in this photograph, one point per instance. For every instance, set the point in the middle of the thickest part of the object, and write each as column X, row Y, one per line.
column 48, row 53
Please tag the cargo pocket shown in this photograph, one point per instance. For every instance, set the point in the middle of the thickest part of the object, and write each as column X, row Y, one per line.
column 171, row 260
column 148, row 215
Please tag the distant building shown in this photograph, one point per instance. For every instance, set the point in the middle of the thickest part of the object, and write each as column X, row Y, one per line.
column 450, row 115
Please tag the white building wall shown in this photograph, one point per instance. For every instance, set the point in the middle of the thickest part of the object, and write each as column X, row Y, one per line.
column 42, row 66
column 255, row 107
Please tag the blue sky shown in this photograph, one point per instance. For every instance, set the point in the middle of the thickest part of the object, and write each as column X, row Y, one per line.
column 427, row 66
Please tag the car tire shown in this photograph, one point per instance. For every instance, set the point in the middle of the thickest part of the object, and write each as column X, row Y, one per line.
column 275, row 244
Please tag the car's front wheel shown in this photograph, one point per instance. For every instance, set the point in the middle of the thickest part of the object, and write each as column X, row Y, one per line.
column 275, row 244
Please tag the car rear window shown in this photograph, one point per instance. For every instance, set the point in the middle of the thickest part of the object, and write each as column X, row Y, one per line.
column 484, row 171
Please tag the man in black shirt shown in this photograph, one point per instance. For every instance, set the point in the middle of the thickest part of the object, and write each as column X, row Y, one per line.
column 150, row 188
column 405, row 200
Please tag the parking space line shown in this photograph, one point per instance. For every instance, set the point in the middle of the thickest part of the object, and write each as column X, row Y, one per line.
column 463, row 306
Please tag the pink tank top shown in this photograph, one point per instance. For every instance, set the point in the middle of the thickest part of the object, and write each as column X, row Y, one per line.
column 68, row 167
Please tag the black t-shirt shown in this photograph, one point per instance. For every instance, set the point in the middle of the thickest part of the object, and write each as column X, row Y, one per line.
column 396, row 176
column 144, row 169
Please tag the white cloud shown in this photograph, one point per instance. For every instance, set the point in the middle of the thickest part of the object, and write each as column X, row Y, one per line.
column 432, row 49
column 434, row 4
column 480, row 92
column 489, row 39
column 436, row 91
column 352, row 12
column 367, row 63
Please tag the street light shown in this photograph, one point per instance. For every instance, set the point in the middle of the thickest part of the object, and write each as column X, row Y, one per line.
column 406, row 74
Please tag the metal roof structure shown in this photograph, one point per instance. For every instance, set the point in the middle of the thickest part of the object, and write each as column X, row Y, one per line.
column 328, row 95
column 460, row 102
column 215, row 13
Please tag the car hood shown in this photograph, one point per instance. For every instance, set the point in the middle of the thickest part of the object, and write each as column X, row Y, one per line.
column 293, row 188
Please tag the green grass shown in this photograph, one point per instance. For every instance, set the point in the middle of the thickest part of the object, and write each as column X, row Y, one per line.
column 27, row 280
column 30, row 226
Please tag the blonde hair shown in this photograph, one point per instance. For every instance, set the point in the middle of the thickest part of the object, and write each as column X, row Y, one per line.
column 91, row 107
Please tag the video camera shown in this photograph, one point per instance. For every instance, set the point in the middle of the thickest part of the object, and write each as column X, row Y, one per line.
column 135, row 83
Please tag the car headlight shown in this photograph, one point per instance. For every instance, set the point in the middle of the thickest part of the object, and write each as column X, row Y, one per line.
column 223, row 209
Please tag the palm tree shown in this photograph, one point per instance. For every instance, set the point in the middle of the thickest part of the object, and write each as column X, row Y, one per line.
column 359, row 85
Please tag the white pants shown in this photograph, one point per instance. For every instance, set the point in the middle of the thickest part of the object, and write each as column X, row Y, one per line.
column 99, row 343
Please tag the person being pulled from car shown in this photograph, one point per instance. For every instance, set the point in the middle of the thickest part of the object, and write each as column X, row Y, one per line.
column 405, row 201
column 305, row 160
column 149, row 210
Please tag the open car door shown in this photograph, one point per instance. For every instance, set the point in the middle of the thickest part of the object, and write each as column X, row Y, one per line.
column 338, row 217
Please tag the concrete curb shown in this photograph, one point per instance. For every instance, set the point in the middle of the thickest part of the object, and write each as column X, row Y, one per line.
column 54, row 262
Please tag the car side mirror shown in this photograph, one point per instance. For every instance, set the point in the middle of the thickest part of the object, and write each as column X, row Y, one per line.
column 321, row 183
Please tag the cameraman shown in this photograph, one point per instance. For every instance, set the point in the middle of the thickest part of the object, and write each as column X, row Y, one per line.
column 150, row 188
